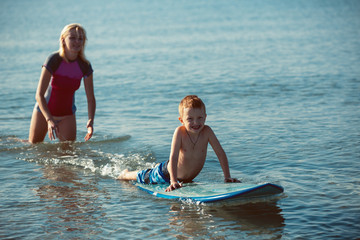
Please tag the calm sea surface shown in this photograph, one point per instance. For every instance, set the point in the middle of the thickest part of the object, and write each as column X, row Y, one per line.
column 281, row 81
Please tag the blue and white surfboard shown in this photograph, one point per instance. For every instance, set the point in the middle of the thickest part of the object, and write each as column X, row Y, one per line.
column 201, row 192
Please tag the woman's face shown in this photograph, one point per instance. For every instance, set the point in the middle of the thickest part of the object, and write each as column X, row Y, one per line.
column 74, row 41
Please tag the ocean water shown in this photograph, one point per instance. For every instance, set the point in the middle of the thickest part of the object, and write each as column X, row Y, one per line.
column 281, row 82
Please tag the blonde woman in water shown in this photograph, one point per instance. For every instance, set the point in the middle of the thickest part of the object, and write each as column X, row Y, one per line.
column 61, row 75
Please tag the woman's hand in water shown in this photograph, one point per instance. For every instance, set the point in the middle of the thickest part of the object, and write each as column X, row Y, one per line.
column 90, row 129
column 53, row 129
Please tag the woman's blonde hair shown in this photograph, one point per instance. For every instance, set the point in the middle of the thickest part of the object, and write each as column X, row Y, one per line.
column 65, row 32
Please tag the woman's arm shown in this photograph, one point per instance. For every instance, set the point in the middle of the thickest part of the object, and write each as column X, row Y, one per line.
column 89, row 89
column 40, row 99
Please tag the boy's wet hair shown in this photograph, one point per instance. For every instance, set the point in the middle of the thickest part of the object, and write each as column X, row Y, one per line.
column 191, row 101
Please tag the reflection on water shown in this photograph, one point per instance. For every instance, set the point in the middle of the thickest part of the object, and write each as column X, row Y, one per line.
column 282, row 92
column 70, row 204
column 74, row 203
column 250, row 219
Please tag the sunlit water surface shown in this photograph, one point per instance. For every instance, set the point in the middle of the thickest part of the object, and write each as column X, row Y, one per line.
column 281, row 83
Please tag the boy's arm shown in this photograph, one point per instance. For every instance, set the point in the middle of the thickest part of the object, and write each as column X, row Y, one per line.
column 173, row 160
column 220, row 153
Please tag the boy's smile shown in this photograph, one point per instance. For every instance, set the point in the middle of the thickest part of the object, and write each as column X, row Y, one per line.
column 193, row 119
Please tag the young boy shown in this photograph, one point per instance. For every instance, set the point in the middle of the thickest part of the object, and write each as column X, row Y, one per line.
column 188, row 150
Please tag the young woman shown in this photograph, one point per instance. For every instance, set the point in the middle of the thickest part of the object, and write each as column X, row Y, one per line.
column 61, row 75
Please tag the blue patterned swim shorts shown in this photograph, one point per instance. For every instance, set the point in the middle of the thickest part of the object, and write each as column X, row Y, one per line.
column 158, row 174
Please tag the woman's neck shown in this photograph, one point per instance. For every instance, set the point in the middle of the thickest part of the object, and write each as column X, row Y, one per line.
column 71, row 56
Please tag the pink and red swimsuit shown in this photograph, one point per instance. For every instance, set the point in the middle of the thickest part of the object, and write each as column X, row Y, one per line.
column 65, row 80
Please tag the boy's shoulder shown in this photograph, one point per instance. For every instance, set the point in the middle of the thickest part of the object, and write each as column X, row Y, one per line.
column 180, row 130
column 207, row 131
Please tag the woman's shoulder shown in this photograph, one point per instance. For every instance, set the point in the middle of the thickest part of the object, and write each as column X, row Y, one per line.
column 55, row 56
column 53, row 62
column 85, row 66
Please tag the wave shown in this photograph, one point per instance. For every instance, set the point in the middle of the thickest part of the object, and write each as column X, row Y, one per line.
column 110, row 140
column 90, row 156
column 12, row 142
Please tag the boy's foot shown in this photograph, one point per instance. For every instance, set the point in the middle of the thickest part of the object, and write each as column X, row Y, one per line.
column 123, row 174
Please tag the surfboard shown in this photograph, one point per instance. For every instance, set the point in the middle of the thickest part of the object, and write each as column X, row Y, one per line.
column 213, row 192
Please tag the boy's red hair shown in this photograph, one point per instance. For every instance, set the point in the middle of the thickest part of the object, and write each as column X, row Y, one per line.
column 191, row 101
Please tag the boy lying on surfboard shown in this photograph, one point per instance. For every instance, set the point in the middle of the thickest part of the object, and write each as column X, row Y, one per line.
column 188, row 150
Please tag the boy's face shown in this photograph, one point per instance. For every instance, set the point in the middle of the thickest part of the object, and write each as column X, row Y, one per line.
column 193, row 119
